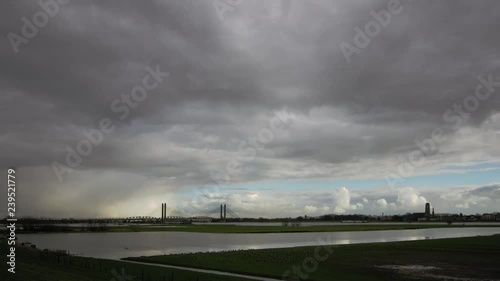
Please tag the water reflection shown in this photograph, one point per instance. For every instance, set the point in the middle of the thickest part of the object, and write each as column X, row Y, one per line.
column 119, row 245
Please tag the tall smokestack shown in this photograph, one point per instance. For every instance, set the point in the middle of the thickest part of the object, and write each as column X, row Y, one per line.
column 224, row 211
column 221, row 211
column 161, row 211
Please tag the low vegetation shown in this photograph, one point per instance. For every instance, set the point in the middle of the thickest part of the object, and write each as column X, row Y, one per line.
column 229, row 228
column 37, row 265
column 474, row 258
column 279, row 229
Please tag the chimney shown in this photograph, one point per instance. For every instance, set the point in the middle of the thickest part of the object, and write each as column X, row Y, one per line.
column 161, row 211
column 224, row 211
column 221, row 211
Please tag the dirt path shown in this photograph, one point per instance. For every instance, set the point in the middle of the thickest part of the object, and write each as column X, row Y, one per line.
column 206, row 271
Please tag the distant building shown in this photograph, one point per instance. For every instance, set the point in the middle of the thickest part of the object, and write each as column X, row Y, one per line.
column 427, row 210
column 488, row 217
column 426, row 215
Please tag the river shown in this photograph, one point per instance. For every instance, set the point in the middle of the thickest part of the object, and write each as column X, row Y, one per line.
column 118, row 245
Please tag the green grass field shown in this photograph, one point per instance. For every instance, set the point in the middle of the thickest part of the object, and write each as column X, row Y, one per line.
column 275, row 229
column 34, row 265
column 476, row 258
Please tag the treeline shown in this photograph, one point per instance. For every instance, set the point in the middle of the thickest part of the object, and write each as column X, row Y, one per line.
column 47, row 227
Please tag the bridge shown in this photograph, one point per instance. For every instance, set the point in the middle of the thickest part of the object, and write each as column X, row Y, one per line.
column 224, row 211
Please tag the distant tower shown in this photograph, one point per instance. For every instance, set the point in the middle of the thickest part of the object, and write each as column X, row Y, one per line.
column 432, row 211
column 163, row 211
column 427, row 209
column 162, row 214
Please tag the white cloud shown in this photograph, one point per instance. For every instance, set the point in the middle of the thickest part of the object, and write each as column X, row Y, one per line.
column 381, row 203
column 342, row 201
column 269, row 203
column 408, row 197
column 310, row 209
column 462, row 206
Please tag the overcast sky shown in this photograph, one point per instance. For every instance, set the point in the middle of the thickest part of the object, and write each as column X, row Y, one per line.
column 277, row 108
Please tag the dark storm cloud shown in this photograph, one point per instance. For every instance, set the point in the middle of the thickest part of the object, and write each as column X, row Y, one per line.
column 225, row 83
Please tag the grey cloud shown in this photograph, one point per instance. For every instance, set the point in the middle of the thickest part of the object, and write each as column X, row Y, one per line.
column 224, row 85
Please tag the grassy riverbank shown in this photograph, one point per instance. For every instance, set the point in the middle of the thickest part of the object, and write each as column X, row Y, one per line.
column 32, row 264
column 280, row 229
column 228, row 228
column 476, row 258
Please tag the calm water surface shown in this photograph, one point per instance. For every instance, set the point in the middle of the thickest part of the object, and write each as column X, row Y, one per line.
column 127, row 244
